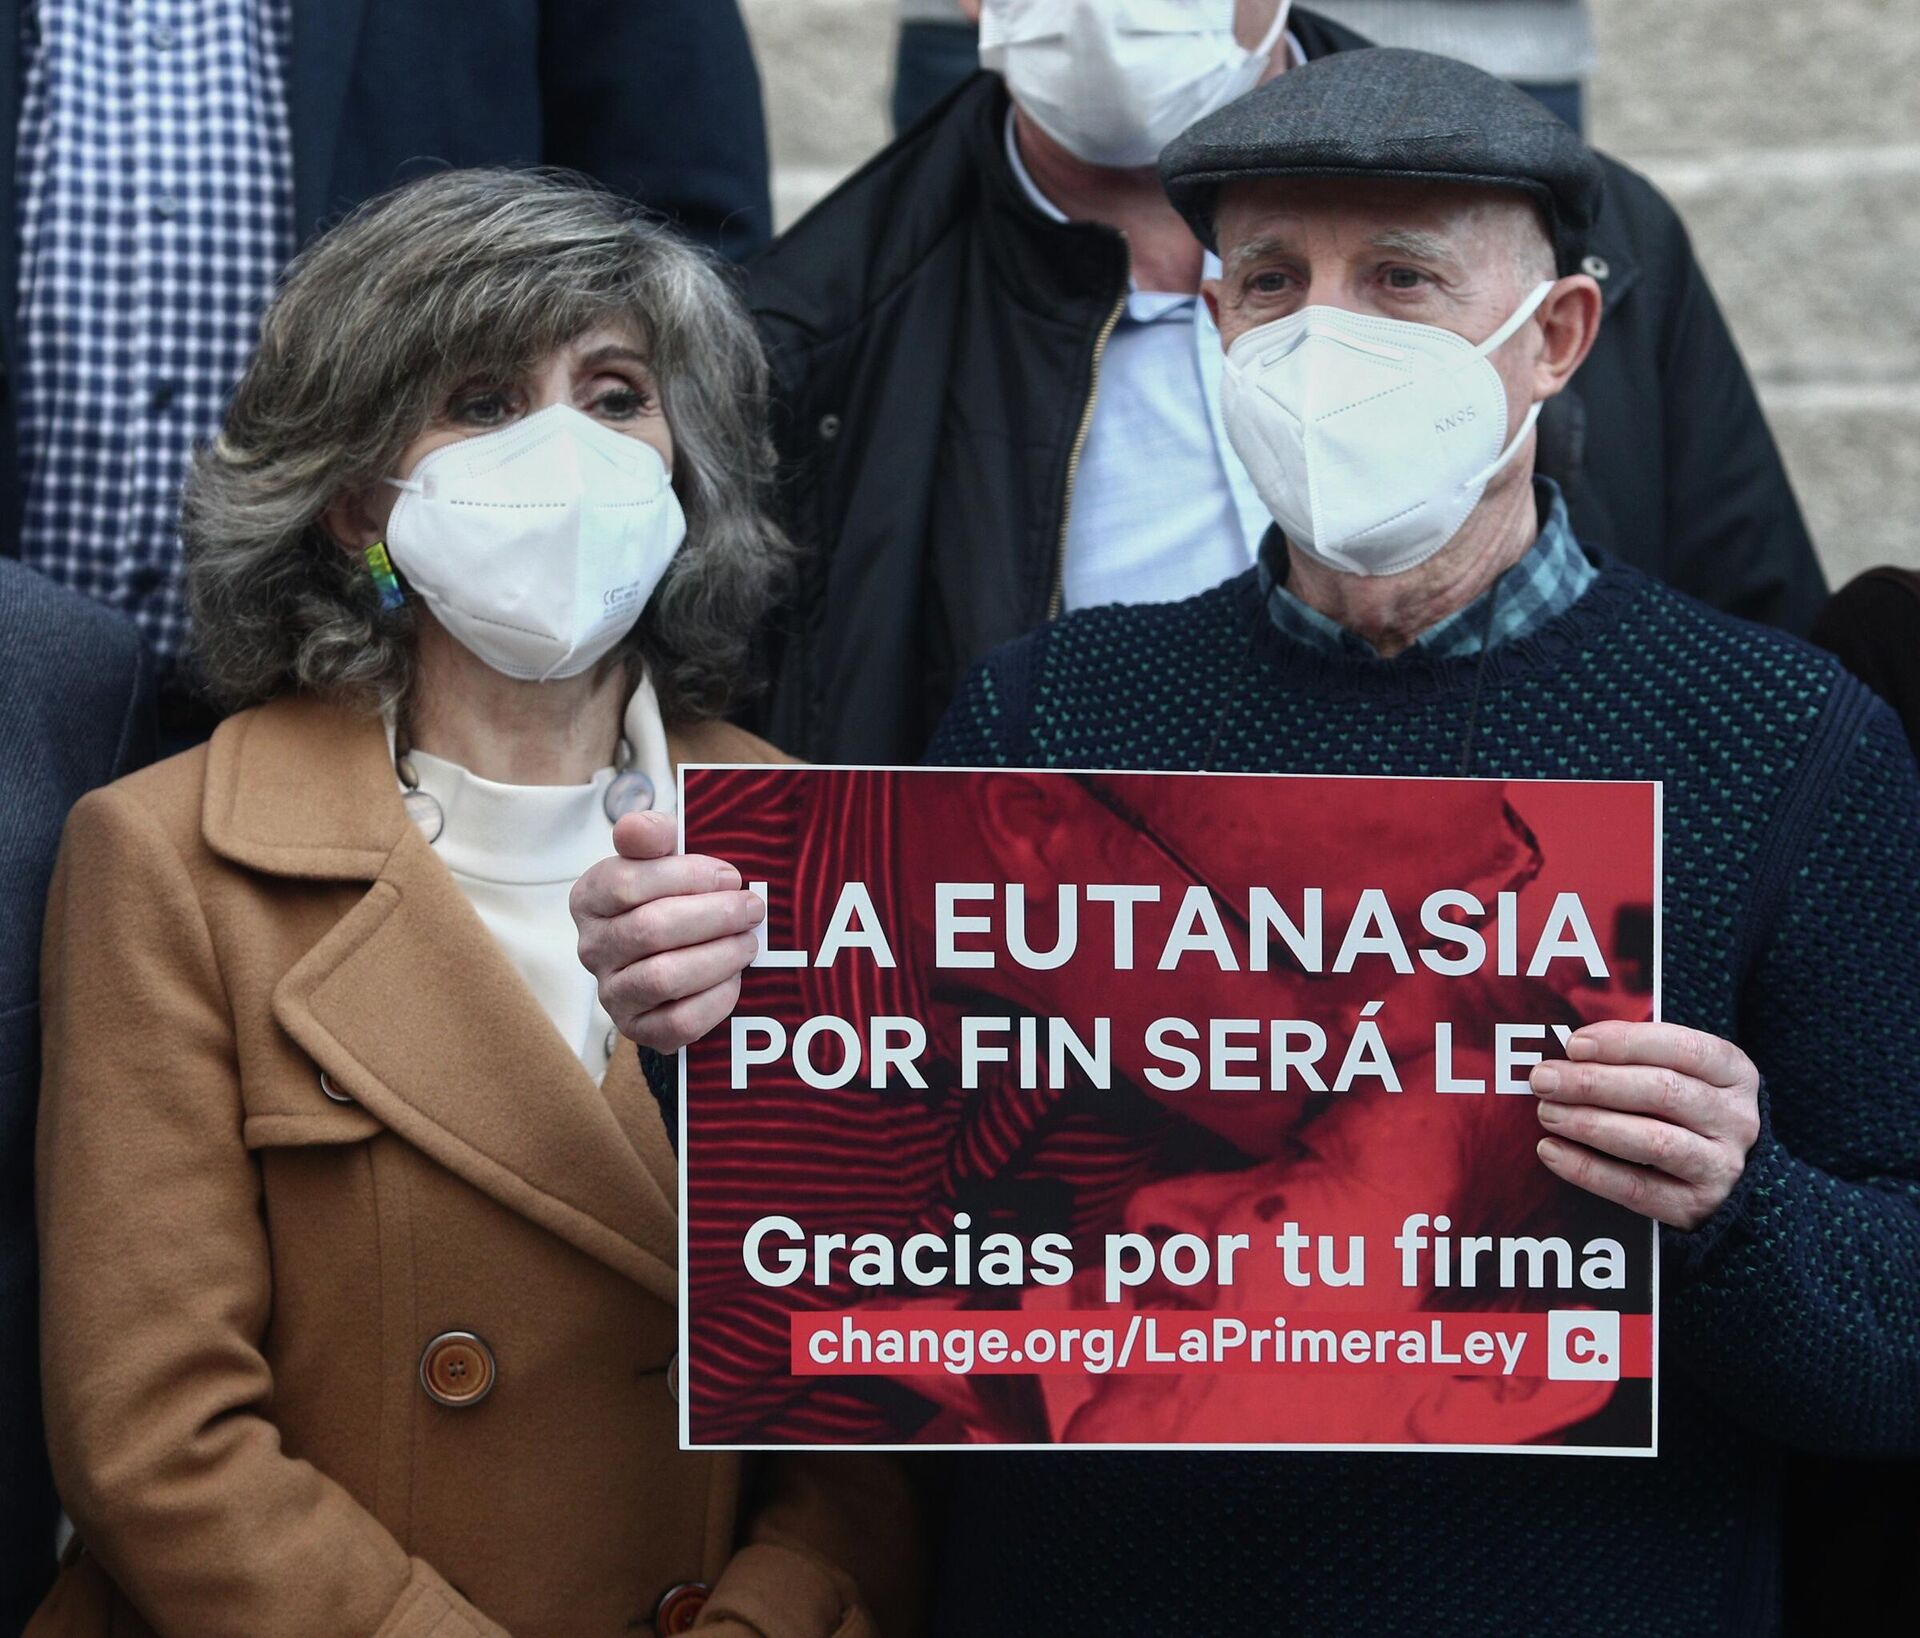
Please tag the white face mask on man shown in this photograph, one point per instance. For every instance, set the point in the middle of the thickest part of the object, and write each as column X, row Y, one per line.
column 1370, row 439
column 538, row 546
column 1114, row 81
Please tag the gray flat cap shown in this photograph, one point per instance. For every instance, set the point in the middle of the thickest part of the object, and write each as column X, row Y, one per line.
column 1390, row 113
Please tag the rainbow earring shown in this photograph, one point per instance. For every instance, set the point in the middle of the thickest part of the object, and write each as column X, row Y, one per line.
column 380, row 566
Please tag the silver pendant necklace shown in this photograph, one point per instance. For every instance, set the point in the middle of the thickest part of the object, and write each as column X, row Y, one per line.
column 629, row 791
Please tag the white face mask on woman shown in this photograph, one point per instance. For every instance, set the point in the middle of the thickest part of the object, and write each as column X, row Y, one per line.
column 1370, row 439
column 1114, row 81
column 538, row 546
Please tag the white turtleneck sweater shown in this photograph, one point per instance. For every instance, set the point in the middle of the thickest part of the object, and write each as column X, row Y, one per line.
column 516, row 851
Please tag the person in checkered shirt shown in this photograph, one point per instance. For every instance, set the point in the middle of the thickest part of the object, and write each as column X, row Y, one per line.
column 171, row 155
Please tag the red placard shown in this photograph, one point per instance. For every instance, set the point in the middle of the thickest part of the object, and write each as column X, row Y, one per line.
column 1151, row 1110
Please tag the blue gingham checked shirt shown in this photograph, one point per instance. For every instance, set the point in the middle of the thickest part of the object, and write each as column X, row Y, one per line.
column 155, row 184
column 1545, row 583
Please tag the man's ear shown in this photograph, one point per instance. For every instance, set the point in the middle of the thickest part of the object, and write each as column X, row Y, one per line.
column 1569, row 321
column 1210, row 294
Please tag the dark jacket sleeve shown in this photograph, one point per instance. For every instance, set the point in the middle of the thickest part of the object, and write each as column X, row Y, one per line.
column 660, row 99
column 1798, row 1305
column 1872, row 625
column 78, row 712
column 783, row 711
column 1735, row 536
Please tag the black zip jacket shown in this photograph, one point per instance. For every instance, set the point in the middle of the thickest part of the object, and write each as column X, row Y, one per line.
column 935, row 343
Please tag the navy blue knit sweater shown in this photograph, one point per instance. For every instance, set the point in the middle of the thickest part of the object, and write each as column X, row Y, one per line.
column 1792, row 926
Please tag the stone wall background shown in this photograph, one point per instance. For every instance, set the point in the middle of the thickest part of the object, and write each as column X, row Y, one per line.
column 1787, row 133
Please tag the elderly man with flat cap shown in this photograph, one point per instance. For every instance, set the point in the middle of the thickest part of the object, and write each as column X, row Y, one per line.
column 997, row 391
column 1400, row 239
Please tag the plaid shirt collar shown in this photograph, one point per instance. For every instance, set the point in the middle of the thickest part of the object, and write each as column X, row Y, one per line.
column 1544, row 584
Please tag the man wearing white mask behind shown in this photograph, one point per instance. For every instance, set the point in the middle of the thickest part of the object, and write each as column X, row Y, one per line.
column 1429, row 611
column 997, row 389
column 1098, row 90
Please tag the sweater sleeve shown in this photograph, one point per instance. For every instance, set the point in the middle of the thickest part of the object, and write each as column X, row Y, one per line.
column 1799, row 1306
column 990, row 722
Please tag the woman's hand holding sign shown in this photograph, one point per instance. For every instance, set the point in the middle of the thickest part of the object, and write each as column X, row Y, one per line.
column 666, row 934
column 1653, row 1116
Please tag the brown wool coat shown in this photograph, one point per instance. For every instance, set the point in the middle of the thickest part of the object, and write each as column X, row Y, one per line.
column 242, row 1273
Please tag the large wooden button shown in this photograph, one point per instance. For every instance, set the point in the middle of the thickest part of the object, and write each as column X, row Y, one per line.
column 679, row 1608
column 457, row 1370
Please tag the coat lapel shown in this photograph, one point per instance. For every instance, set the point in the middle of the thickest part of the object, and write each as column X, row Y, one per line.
column 417, row 1015
column 411, row 1007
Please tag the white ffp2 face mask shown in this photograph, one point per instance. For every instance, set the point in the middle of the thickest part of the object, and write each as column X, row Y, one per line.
column 538, row 546
column 1114, row 81
column 1370, row 439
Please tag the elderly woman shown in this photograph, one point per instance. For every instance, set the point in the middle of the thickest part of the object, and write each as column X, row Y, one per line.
column 359, row 1218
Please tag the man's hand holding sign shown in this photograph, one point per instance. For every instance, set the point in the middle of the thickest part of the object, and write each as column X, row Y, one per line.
column 666, row 934
column 1654, row 1116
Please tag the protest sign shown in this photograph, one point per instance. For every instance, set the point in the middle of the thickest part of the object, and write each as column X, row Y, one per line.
column 1162, row 1110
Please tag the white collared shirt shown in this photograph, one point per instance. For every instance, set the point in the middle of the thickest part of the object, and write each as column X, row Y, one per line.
column 1161, row 508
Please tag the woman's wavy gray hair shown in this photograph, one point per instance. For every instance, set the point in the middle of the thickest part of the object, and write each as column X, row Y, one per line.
column 464, row 274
